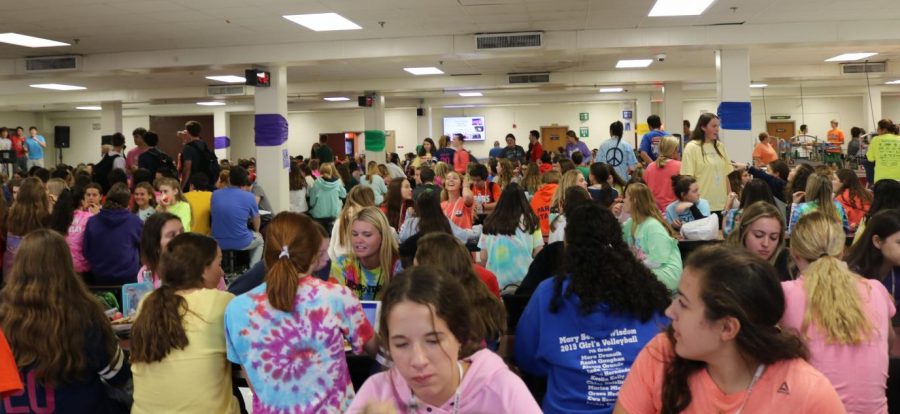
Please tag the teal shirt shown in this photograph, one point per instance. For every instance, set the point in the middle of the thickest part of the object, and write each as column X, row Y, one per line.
column 653, row 246
column 325, row 198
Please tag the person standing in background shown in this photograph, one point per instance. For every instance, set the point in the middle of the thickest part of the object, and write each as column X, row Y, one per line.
column 617, row 153
column 323, row 152
column 512, row 151
column 650, row 140
column 707, row 160
column 6, row 145
column 445, row 153
column 764, row 153
column 18, row 147
column 577, row 145
column 835, row 137
column 140, row 147
column 461, row 158
column 35, row 145
column 495, row 151
column 535, row 149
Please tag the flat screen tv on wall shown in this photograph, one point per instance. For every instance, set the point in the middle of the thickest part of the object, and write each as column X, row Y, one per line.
column 471, row 127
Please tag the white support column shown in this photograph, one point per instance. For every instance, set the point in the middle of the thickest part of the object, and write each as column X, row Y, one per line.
column 672, row 107
column 733, row 85
column 110, row 117
column 273, row 162
column 221, row 128
column 374, row 121
column 871, row 110
column 644, row 110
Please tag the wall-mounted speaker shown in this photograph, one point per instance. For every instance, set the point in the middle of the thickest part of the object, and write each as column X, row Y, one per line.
column 420, row 111
column 61, row 137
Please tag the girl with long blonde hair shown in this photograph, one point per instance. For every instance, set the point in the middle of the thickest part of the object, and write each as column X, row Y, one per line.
column 844, row 317
column 819, row 197
column 648, row 235
column 373, row 258
column 531, row 182
column 375, row 181
column 570, row 178
column 358, row 198
column 659, row 173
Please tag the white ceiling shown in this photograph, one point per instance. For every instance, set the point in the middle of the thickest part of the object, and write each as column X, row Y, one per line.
column 108, row 27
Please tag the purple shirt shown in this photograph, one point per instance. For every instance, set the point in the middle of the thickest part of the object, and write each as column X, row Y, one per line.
column 583, row 148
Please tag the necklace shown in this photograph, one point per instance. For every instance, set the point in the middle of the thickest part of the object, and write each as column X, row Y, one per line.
column 413, row 404
column 759, row 372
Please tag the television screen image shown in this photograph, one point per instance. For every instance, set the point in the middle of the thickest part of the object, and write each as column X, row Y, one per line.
column 471, row 127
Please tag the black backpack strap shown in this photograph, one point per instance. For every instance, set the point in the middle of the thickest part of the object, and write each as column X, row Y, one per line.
column 696, row 212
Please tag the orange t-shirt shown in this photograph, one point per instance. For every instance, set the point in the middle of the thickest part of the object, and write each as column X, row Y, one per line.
column 458, row 212
column 487, row 193
column 540, row 203
column 764, row 153
column 835, row 137
column 10, row 382
column 791, row 386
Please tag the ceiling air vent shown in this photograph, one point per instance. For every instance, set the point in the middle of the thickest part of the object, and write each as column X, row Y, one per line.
column 522, row 40
column 52, row 63
column 868, row 67
column 519, row 78
column 226, row 90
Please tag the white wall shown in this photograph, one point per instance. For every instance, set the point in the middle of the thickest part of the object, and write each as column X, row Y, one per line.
column 84, row 141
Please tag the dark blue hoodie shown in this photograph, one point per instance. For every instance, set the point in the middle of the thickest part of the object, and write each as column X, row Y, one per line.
column 112, row 241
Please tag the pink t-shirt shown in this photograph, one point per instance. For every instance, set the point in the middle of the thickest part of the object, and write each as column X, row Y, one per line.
column 660, row 182
column 858, row 372
column 488, row 386
column 790, row 386
column 131, row 159
column 75, row 240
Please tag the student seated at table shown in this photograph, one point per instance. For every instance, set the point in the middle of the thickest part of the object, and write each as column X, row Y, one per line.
column 817, row 197
column 159, row 230
column 231, row 209
column 724, row 351
column 373, row 259
column 288, row 334
column 760, row 231
column 439, row 362
column 29, row 211
column 112, row 240
column 592, row 301
column 178, row 339
column 511, row 237
column 688, row 205
column 648, row 235
column 755, row 190
column 358, row 198
column 63, row 343
column 845, row 319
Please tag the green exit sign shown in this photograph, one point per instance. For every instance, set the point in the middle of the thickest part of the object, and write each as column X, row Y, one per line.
column 583, row 132
column 583, row 116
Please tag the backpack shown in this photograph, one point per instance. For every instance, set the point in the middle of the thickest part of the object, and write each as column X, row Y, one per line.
column 164, row 159
column 209, row 163
column 102, row 170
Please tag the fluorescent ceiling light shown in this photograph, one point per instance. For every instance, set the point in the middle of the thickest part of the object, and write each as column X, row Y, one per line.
column 849, row 57
column 228, row 78
column 337, row 99
column 323, row 22
column 211, row 103
column 88, row 108
column 893, row 82
column 57, row 87
column 634, row 63
column 759, row 85
column 431, row 70
column 28, row 41
column 470, row 94
column 679, row 7
column 611, row 90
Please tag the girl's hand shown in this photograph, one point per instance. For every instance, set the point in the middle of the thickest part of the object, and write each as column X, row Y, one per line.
column 799, row 196
column 677, row 224
column 617, row 209
column 93, row 208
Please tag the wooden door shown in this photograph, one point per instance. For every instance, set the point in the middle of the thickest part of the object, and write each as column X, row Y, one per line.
column 780, row 129
column 552, row 137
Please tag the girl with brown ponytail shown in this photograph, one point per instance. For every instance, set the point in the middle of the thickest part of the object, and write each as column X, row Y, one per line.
column 178, row 338
column 724, row 351
column 288, row 334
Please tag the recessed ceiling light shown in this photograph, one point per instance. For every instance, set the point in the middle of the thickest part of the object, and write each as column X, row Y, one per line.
column 57, row 87
column 431, row 70
column 634, row 63
column 611, row 90
column 470, row 94
column 337, row 99
column 679, row 7
column 211, row 103
column 893, row 82
column 323, row 22
column 759, row 85
column 849, row 57
column 28, row 41
column 88, row 108
column 228, row 78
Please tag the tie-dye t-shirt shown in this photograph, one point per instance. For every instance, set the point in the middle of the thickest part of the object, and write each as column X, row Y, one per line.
column 365, row 283
column 509, row 256
column 295, row 361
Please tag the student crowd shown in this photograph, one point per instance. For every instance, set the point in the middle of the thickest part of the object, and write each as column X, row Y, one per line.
column 532, row 281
